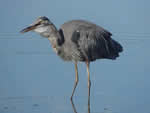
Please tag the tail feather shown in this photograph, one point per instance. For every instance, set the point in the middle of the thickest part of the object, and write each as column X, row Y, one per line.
column 117, row 46
column 115, row 49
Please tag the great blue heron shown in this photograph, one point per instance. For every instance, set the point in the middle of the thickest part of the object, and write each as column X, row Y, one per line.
column 78, row 41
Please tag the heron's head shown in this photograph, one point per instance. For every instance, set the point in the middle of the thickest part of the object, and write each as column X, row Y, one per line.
column 41, row 25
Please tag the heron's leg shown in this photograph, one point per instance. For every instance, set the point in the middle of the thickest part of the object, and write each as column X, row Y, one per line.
column 76, row 79
column 89, row 85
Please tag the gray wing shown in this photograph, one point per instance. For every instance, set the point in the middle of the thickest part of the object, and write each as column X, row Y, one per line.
column 95, row 42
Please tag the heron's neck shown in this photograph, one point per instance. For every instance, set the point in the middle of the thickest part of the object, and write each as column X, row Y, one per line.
column 53, row 36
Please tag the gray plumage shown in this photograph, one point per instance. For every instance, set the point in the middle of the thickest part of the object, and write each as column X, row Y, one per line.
column 78, row 40
column 87, row 41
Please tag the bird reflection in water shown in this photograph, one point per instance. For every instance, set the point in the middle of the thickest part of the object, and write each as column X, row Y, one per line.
column 74, row 107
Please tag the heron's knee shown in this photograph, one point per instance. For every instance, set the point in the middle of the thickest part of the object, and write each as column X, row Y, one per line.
column 89, row 83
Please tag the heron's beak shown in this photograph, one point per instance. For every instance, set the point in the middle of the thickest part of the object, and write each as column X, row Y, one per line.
column 30, row 28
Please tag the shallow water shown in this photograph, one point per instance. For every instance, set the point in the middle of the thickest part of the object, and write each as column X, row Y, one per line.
column 50, row 105
column 120, row 86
